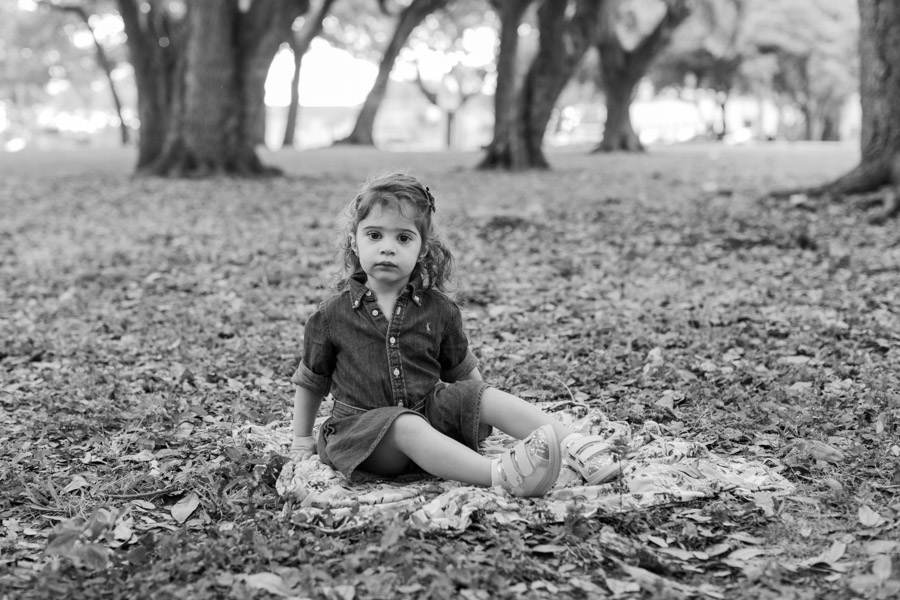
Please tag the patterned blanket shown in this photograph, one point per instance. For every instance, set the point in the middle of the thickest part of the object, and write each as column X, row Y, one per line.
column 656, row 469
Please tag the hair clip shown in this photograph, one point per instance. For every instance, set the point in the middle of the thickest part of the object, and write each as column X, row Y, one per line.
column 430, row 198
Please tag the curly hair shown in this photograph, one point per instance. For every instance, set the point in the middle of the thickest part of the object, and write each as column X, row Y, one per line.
column 408, row 195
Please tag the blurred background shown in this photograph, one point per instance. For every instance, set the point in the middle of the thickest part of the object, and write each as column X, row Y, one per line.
column 738, row 71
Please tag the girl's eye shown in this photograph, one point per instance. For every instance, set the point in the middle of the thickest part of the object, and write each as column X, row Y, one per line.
column 373, row 235
column 404, row 238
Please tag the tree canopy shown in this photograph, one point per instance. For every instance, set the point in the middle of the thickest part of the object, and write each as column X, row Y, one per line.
column 718, row 47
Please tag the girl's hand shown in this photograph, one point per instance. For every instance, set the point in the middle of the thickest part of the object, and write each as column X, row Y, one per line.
column 303, row 448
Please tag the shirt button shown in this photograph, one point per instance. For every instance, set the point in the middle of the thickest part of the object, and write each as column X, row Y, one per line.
column 369, row 293
column 375, row 313
column 393, row 340
column 398, row 310
column 396, row 372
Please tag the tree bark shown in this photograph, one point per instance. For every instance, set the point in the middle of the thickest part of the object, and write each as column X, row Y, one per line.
column 201, row 83
column 622, row 69
column 506, row 150
column 879, row 53
column 154, row 63
column 563, row 43
column 300, row 43
column 410, row 17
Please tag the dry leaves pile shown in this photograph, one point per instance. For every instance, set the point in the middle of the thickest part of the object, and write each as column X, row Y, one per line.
column 144, row 321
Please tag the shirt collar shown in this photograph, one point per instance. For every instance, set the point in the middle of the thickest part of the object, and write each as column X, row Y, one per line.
column 358, row 289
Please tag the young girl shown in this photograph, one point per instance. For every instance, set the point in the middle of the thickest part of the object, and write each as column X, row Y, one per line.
column 391, row 350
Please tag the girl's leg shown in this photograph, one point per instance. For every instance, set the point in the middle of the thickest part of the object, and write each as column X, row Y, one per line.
column 516, row 417
column 410, row 437
column 592, row 457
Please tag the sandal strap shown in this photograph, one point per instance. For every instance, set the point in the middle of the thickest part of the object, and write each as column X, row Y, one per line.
column 523, row 460
column 585, row 448
column 509, row 469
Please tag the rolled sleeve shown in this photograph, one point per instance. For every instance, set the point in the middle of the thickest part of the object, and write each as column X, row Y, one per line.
column 455, row 357
column 318, row 361
column 306, row 378
column 462, row 369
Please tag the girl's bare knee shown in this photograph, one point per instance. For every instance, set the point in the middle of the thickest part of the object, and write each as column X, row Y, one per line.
column 408, row 424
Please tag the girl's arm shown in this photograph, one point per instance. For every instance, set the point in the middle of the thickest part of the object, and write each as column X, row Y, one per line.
column 306, row 407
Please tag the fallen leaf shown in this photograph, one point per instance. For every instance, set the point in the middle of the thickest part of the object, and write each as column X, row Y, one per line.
column 869, row 518
column 828, row 557
column 142, row 456
column 77, row 483
column 881, row 568
column 765, row 502
column 270, row 582
column 677, row 553
column 746, row 538
column 876, row 547
column 184, row 507
column 746, row 553
column 717, row 549
column 548, row 549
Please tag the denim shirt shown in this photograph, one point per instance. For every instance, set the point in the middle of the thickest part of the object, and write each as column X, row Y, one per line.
column 352, row 350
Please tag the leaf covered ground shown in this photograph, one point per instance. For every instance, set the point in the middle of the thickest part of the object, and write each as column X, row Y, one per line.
column 144, row 321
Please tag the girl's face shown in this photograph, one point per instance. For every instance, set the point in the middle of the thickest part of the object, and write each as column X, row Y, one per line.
column 388, row 245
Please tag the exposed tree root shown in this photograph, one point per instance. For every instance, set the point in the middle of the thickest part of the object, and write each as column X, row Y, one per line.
column 354, row 140
column 865, row 177
column 890, row 208
column 179, row 162
column 624, row 143
column 511, row 157
column 878, row 180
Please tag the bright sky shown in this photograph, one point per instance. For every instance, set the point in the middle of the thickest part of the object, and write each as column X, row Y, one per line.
column 328, row 77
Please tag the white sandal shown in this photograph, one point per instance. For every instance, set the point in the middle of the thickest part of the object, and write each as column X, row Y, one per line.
column 530, row 468
column 594, row 458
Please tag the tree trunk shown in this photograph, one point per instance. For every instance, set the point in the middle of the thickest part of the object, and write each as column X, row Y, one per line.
column 210, row 73
column 618, row 133
column 622, row 69
column 154, row 63
column 410, row 17
column 879, row 53
column 506, row 149
column 831, row 120
column 300, row 43
column 563, row 43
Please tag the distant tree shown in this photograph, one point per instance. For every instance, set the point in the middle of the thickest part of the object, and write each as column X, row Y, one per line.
column 42, row 63
column 704, row 57
column 506, row 116
column 28, row 45
column 103, row 60
column 757, row 48
column 455, row 89
column 300, row 42
column 565, row 36
column 446, row 40
column 808, row 66
column 200, row 69
column 632, row 35
column 879, row 53
column 410, row 17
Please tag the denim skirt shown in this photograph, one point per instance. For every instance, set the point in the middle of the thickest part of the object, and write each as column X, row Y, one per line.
column 350, row 434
